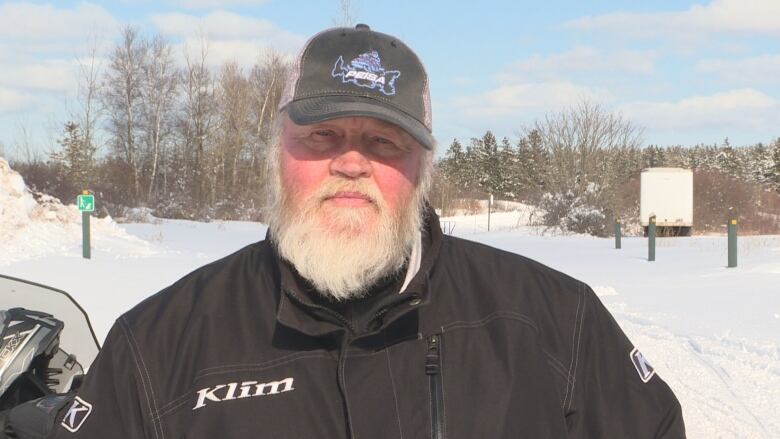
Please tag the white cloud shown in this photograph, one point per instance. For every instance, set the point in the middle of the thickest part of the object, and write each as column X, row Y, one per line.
column 513, row 100
column 228, row 27
column 718, row 16
column 579, row 59
column 763, row 69
column 218, row 52
column 12, row 100
column 51, row 75
column 212, row 4
column 741, row 109
column 30, row 22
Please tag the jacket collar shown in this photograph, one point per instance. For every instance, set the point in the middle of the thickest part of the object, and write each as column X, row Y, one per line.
column 297, row 311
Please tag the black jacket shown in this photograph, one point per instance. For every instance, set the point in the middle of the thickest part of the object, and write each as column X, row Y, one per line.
column 481, row 344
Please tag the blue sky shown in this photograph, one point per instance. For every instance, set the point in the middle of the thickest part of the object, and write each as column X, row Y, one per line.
column 686, row 72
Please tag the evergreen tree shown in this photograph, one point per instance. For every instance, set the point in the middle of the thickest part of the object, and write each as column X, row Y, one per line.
column 77, row 158
column 533, row 163
column 774, row 176
column 728, row 161
column 487, row 164
column 653, row 157
column 454, row 165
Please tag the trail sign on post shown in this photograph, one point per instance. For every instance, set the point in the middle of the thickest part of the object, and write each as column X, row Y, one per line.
column 86, row 204
column 617, row 234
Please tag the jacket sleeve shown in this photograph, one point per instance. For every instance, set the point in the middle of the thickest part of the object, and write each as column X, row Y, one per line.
column 112, row 401
column 615, row 392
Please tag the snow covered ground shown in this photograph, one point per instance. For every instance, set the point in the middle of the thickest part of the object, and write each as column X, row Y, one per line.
column 712, row 333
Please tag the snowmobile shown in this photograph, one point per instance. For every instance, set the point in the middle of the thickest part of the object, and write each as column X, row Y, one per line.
column 46, row 344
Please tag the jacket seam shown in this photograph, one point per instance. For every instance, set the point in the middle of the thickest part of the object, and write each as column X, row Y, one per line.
column 497, row 315
column 570, row 386
column 143, row 374
column 557, row 367
column 578, row 328
column 230, row 367
column 392, row 385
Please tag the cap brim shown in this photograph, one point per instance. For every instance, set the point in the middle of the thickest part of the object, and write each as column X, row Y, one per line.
column 319, row 109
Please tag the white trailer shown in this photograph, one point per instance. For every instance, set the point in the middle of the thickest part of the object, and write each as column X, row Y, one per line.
column 667, row 193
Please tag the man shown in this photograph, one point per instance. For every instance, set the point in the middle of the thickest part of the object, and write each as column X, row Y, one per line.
column 356, row 317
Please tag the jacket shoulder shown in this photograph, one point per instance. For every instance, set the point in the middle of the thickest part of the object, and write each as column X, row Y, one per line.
column 202, row 289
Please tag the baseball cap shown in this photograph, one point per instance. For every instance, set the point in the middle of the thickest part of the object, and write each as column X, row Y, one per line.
column 344, row 72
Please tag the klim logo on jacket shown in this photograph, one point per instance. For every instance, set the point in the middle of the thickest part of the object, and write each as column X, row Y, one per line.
column 245, row 389
column 642, row 366
column 76, row 415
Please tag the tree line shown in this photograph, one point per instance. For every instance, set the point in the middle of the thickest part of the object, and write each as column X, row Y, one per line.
column 581, row 168
column 187, row 140
column 184, row 139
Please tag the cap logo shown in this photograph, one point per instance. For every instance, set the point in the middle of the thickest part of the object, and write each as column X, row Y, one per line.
column 366, row 71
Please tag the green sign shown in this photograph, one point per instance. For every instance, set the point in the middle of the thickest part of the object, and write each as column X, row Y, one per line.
column 86, row 203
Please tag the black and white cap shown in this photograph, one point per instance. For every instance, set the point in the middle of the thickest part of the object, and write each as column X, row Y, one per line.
column 346, row 72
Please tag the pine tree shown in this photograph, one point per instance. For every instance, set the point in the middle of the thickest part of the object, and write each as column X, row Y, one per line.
column 653, row 157
column 487, row 164
column 533, row 163
column 728, row 161
column 454, row 165
column 774, row 177
column 76, row 160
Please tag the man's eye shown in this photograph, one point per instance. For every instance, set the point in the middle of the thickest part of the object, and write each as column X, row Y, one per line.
column 324, row 134
column 385, row 147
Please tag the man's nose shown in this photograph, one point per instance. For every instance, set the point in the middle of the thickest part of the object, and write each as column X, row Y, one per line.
column 351, row 163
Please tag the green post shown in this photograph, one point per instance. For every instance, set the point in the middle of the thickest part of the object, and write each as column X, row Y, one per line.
column 617, row 234
column 85, row 244
column 86, row 204
column 732, row 228
column 651, row 239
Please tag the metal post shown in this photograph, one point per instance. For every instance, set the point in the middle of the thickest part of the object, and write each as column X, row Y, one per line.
column 732, row 229
column 490, row 205
column 617, row 234
column 651, row 239
column 85, row 244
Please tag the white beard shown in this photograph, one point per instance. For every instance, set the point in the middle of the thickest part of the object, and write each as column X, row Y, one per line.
column 343, row 251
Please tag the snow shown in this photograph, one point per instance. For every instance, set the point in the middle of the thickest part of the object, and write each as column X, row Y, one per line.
column 711, row 332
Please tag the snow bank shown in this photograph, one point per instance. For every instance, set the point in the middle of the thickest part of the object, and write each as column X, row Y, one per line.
column 34, row 225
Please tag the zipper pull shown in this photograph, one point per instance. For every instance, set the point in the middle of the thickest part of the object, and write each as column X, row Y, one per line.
column 432, row 362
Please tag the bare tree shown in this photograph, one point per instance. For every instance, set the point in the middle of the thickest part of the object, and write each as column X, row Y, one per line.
column 588, row 149
column 89, row 110
column 233, row 101
column 267, row 83
column 158, row 92
column 122, row 98
column 578, row 139
column 196, row 122
column 346, row 14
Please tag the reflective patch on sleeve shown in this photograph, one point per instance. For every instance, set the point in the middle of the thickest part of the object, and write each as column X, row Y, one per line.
column 642, row 366
column 76, row 415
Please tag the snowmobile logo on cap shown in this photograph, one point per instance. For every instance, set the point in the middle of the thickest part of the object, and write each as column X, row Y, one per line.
column 641, row 365
column 366, row 71
column 77, row 414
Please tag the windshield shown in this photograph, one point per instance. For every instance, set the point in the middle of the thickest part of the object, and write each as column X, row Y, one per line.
column 77, row 337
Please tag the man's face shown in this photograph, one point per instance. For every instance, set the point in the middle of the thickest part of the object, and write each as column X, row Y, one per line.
column 351, row 195
column 353, row 167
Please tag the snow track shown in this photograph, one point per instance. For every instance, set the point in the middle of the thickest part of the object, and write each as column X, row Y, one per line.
column 727, row 388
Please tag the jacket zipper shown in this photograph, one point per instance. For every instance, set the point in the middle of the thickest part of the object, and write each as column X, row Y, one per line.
column 433, row 370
